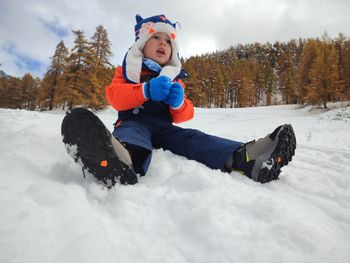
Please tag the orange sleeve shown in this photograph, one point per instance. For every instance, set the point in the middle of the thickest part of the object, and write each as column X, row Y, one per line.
column 185, row 112
column 122, row 95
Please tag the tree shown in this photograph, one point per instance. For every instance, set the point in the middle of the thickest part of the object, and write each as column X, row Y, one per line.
column 286, row 71
column 193, row 83
column 53, row 77
column 339, row 47
column 219, row 88
column 33, row 95
column 308, row 58
column 244, row 87
column 324, row 74
column 11, row 93
column 77, row 88
column 102, row 68
column 30, row 87
column 346, row 70
column 101, row 47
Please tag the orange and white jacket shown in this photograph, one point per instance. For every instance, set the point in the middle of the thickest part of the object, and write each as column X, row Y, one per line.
column 129, row 100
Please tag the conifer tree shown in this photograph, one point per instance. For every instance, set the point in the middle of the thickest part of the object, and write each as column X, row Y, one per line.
column 2, row 92
column 53, row 77
column 346, row 70
column 11, row 93
column 286, row 73
column 324, row 74
column 33, row 105
column 339, row 46
column 101, row 47
column 193, row 86
column 77, row 88
column 219, row 88
column 244, row 92
column 28, row 91
column 269, row 81
column 103, row 70
column 343, row 66
column 308, row 58
column 257, row 75
column 3, row 83
column 231, row 84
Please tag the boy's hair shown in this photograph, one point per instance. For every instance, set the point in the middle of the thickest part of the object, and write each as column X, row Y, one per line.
column 144, row 29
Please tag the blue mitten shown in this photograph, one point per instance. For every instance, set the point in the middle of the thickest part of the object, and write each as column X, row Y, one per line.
column 176, row 96
column 158, row 88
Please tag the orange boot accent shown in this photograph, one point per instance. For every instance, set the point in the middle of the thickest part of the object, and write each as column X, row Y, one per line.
column 104, row 163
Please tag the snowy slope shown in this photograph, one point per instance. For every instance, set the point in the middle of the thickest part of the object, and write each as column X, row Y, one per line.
column 180, row 211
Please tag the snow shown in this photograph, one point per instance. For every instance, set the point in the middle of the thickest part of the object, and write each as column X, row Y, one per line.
column 181, row 211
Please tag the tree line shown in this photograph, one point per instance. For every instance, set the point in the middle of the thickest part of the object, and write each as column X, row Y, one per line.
column 304, row 71
column 75, row 77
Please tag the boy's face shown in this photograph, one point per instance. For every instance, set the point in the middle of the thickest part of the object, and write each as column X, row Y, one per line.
column 158, row 48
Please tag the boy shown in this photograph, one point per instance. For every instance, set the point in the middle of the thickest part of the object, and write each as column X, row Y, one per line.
column 149, row 95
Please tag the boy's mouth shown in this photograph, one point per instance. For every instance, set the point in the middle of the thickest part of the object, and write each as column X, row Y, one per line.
column 160, row 51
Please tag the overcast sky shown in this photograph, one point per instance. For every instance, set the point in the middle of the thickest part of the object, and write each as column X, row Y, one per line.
column 31, row 29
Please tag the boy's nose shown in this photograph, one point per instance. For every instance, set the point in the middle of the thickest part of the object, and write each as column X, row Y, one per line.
column 163, row 42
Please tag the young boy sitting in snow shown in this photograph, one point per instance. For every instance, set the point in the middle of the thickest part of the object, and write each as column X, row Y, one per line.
column 148, row 94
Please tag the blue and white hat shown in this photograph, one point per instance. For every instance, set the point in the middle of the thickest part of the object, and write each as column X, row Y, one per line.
column 144, row 29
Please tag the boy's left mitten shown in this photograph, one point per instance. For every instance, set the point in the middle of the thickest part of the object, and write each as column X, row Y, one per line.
column 176, row 96
column 158, row 88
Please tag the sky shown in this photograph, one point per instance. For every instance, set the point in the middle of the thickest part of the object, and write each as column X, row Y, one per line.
column 31, row 29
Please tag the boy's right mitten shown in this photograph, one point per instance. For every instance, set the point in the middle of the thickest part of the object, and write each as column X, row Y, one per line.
column 158, row 88
column 176, row 96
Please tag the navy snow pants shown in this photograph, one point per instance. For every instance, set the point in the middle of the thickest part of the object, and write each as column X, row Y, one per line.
column 153, row 133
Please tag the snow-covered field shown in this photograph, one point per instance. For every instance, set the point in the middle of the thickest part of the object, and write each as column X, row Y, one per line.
column 181, row 211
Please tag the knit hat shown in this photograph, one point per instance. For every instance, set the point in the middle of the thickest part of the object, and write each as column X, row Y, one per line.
column 144, row 29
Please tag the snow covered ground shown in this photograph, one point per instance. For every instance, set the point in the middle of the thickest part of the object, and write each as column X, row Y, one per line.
column 181, row 211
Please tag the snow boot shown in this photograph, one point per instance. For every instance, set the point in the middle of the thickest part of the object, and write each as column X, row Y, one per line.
column 88, row 140
column 263, row 159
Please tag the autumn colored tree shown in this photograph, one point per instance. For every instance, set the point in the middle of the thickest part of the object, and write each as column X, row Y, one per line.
column 53, row 77
column 11, row 93
column 101, row 47
column 219, row 88
column 269, row 82
column 324, row 74
column 286, row 72
column 77, row 88
column 194, row 89
column 308, row 58
column 346, row 70
column 102, row 71
column 29, row 93
column 257, row 77
column 246, row 93
column 3, row 81
column 231, row 87
column 265, row 82
column 339, row 44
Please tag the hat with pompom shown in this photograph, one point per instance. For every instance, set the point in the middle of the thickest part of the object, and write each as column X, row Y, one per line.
column 144, row 29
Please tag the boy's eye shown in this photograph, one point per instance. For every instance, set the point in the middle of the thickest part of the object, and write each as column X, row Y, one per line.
column 159, row 38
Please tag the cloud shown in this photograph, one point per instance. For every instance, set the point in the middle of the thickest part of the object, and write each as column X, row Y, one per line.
column 23, row 62
column 55, row 27
column 34, row 27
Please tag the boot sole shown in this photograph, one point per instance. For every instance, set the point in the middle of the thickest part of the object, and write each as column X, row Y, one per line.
column 85, row 134
column 281, row 155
